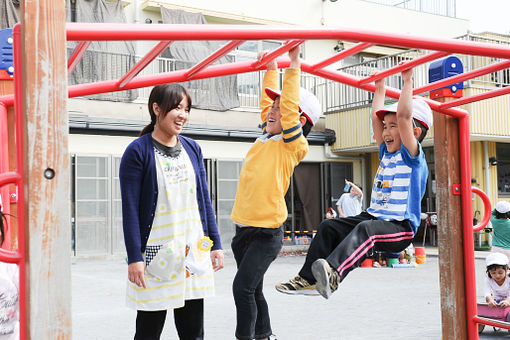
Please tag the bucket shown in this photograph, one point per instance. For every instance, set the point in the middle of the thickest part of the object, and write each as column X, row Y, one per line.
column 419, row 254
column 392, row 261
column 367, row 263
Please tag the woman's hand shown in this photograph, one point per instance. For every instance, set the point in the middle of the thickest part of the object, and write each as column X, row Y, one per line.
column 492, row 303
column 136, row 271
column 217, row 259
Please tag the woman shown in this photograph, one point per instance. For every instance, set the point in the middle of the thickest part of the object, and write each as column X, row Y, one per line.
column 169, row 225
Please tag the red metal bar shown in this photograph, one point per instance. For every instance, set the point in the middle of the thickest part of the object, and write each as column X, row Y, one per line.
column 486, row 95
column 463, row 76
column 487, row 211
column 403, row 66
column 213, row 57
column 4, row 167
column 484, row 321
column 342, row 55
column 276, row 53
column 113, row 31
column 142, row 63
column 18, row 109
column 78, row 53
column 467, row 224
column 390, row 92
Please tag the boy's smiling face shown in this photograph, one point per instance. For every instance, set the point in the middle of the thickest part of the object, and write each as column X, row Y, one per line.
column 274, row 124
column 390, row 133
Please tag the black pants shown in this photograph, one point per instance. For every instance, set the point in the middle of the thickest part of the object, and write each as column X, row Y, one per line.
column 254, row 250
column 189, row 322
column 346, row 242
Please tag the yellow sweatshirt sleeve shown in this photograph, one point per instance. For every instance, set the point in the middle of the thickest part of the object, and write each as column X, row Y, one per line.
column 289, row 107
column 270, row 80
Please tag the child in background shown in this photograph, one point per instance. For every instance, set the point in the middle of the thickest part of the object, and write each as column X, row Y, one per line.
column 349, row 204
column 497, row 283
column 9, row 293
column 500, row 220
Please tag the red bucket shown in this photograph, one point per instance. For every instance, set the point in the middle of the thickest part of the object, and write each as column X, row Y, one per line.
column 420, row 255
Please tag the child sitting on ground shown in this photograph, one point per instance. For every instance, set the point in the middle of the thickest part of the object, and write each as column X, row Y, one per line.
column 497, row 282
column 391, row 221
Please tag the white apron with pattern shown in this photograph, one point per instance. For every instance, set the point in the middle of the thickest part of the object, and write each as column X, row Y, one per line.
column 177, row 221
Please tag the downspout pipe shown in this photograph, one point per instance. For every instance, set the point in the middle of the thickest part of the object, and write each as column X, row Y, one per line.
column 487, row 168
column 330, row 155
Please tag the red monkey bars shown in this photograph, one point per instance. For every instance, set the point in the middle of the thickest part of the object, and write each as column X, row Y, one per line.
column 236, row 35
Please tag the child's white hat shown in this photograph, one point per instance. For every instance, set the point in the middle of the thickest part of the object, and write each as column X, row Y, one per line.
column 308, row 104
column 503, row 207
column 421, row 111
column 496, row 258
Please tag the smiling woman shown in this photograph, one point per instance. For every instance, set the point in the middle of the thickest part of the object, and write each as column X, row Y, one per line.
column 170, row 231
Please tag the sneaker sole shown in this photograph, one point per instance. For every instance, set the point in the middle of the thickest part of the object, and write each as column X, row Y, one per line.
column 307, row 292
column 321, row 276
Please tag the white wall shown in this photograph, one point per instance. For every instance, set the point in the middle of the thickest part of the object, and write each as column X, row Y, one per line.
column 115, row 145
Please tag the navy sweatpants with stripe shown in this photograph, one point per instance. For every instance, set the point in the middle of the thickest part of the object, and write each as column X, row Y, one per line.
column 346, row 242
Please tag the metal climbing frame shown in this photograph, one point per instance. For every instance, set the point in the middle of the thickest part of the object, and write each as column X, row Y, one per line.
column 294, row 36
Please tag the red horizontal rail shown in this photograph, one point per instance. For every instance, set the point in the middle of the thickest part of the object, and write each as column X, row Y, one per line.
column 390, row 92
column 403, row 66
column 494, row 323
column 276, row 53
column 463, row 76
column 76, row 56
column 476, row 97
column 342, row 55
column 112, row 31
column 142, row 63
column 213, row 57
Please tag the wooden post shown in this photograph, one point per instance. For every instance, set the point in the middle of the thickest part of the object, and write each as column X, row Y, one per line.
column 450, row 241
column 46, row 167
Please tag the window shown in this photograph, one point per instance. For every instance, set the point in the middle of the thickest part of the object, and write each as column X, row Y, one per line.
column 248, row 84
column 503, row 157
column 96, row 206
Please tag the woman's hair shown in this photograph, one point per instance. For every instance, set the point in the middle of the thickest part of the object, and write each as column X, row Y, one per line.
column 168, row 97
column 2, row 232
column 495, row 266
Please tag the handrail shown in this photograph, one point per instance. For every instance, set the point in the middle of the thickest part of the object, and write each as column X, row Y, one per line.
column 487, row 211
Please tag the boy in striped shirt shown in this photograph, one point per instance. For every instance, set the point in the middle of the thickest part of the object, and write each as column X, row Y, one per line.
column 391, row 221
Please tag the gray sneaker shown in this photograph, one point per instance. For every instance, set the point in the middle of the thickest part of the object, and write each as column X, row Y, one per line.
column 296, row 286
column 327, row 278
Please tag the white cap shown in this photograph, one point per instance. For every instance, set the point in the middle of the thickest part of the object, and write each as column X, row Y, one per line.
column 308, row 104
column 503, row 207
column 421, row 111
column 496, row 258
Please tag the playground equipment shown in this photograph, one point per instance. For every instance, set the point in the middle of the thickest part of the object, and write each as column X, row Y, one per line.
column 294, row 36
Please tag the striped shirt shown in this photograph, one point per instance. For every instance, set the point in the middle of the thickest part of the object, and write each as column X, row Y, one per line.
column 399, row 186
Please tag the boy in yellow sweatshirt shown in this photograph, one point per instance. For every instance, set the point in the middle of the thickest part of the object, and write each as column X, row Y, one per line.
column 259, row 209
